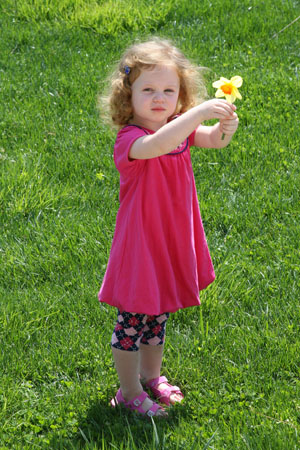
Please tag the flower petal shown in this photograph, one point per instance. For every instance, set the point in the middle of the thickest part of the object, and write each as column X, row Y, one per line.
column 220, row 82
column 217, row 84
column 236, row 93
column 237, row 81
column 230, row 98
column 219, row 93
column 224, row 80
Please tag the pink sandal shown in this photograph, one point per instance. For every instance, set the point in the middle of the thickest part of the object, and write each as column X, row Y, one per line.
column 136, row 404
column 163, row 396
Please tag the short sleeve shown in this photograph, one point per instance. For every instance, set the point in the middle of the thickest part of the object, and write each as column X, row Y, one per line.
column 125, row 138
column 192, row 137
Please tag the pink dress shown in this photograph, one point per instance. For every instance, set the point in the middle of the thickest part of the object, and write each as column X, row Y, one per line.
column 159, row 259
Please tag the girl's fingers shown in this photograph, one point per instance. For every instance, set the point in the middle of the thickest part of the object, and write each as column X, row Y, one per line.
column 231, row 119
column 228, row 130
column 227, row 110
column 225, row 114
column 218, row 109
column 229, row 126
column 229, row 106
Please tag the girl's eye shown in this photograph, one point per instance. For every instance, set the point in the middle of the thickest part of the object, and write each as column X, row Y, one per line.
column 167, row 91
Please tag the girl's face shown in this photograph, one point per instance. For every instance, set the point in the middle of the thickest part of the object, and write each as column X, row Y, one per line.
column 155, row 96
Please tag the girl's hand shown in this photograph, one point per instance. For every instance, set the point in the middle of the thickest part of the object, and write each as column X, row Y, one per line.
column 217, row 109
column 229, row 126
column 211, row 136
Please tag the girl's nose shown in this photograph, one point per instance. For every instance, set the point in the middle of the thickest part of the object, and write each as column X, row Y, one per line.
column 158, row 97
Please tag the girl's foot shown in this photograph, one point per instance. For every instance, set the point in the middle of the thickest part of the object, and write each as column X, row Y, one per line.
column 141, row 403
column 164, row 392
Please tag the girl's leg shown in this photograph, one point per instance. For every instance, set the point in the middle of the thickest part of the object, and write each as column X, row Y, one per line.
column 127, row 360
column 127, row 367
column 152, row 346
column 150, row 365
column 150, row 361
column 151, row 352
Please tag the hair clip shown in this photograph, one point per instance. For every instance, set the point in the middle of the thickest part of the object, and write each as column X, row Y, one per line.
column 127, row 70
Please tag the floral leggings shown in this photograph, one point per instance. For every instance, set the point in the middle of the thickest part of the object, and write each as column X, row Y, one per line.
column 132, row 329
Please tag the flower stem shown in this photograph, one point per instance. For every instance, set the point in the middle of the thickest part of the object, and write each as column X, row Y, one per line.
column 223, row 135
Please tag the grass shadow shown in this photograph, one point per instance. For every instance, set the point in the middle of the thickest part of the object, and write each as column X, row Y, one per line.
column 106, row 427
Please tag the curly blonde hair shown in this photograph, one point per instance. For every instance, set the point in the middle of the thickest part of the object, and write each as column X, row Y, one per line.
column 145, row 56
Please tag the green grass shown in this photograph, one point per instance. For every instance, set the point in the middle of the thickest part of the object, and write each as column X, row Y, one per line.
column 238, row 363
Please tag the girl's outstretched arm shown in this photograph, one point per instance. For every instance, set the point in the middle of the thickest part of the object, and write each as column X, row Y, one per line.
column 171, row 135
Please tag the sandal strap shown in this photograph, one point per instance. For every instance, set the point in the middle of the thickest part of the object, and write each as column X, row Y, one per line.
column 156, row 381
column 117, row 399
column 136, row 403
column 163, row 395
column 154, row 408
column 153, row 383
column 171, row 389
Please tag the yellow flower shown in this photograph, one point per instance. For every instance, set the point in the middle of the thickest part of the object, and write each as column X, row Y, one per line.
column 100, row 176
column 228, row 88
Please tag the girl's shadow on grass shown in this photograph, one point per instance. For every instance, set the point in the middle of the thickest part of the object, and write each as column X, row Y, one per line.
column 106, row 427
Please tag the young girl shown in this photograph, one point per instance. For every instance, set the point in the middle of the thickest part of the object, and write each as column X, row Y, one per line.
column 159, row 258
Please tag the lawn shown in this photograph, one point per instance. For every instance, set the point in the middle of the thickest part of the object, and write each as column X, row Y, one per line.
column 236, row 357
